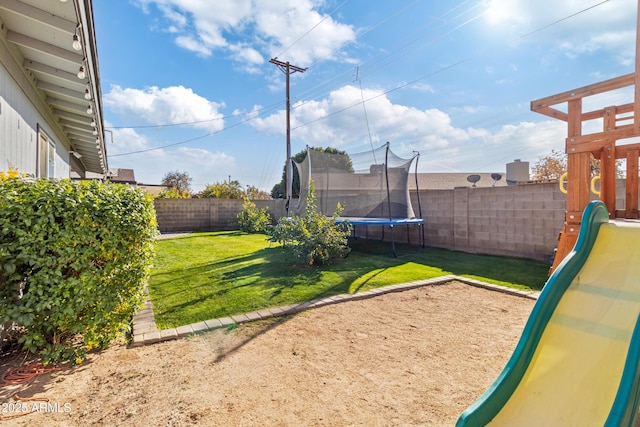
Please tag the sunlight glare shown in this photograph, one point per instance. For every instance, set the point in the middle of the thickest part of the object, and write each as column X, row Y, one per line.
column 498, row 11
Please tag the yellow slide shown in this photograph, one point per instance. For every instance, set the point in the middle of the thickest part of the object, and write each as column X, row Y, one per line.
column 577, row 362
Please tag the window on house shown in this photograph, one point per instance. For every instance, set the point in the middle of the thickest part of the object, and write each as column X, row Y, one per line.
column 46, row 156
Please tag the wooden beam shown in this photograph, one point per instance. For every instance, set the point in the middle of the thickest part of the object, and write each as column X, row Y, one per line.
column 43, row 47
column 622, row 151
column 59, row 90
column 586, row 146
column 73, row 117
column 625, row 131
column 551, row 112
column 55, row 72
column 79, row 108
column 39, row 15
column 579, row 93
column 84, row 138
column 84, row 127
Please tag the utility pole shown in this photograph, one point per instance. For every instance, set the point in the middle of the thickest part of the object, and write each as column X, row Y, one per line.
column 288, row 69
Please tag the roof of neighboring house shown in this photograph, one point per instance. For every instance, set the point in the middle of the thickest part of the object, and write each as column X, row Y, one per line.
column 122, row 176
column 41, row 35
column 447, row 181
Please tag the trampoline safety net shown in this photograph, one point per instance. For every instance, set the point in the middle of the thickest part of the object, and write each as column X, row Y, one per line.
column 372, row 184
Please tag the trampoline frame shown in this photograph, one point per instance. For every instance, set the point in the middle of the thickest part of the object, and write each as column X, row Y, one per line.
column 387, row 221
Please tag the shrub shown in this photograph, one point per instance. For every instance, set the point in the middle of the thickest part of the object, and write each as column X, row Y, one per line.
column 253, row 220
column 74, row 257
column 313, row 238
column 173, row 193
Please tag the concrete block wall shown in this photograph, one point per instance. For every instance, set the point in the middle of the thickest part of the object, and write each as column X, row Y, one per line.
column 522, row 220
column 206, row 214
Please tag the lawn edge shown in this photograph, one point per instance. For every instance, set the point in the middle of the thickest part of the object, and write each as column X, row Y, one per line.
column 145, row 331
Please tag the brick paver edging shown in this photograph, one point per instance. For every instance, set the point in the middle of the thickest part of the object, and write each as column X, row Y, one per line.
column 145, row 331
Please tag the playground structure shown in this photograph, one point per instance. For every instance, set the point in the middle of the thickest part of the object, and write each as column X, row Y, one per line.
column 619, row 122
column 577, row 361
column 372, row 189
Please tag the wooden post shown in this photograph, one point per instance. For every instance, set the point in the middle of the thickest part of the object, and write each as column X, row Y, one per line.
column 608, row 164
column 578, row 184
column 631, row 201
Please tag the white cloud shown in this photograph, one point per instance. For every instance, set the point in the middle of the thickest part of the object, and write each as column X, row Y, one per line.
column 190, row 43
column 423, row 87
column 126, row 140
column 560, row 25
column 261, row 28
column 152, row 164
column 159, row 106
column 339, row 120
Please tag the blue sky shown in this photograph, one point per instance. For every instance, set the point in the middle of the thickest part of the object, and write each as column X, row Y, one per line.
column 187, row 84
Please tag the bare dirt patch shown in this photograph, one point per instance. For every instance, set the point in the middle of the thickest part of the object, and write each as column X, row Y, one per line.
column 417, row 357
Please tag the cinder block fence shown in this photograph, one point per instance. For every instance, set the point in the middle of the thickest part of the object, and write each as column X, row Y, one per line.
column 520, row 220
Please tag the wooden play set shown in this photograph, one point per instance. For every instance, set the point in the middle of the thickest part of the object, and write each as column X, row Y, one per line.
column 620, row 122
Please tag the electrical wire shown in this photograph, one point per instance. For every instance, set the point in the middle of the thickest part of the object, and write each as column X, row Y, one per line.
column 380, row 94
column 363, row 101
column 349, row 71
column 311, row 29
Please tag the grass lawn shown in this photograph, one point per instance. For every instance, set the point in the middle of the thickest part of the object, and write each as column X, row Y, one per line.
column 203, row 276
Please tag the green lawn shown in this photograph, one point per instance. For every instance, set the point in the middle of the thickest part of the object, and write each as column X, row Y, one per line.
column 203, row 276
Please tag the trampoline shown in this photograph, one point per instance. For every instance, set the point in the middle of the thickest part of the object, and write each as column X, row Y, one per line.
column 371, row 187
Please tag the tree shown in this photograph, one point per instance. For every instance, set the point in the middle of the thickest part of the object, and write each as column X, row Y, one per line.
column 279, row 190
column 179, row 182
column 224, row 190
column 254, row 193
column 552, row 167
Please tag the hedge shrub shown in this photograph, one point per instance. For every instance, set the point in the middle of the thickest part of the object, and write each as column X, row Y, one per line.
column 74, row 258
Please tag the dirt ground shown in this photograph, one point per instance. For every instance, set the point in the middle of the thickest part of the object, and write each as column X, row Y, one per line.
column 414, row 358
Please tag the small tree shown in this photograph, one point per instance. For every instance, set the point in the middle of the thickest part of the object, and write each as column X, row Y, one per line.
column 254, row 193
column 179, row 182
column 313, row 238
column 552, row 166
column 279, row 190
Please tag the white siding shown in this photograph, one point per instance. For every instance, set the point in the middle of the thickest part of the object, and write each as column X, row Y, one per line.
column 19, row 121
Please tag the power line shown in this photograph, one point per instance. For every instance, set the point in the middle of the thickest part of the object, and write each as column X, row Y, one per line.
column 266, row 109
column 557, row 22
column 185, row 141
column 288, row 69
column 261, row 109
column 275, row 105
column 379, row 95
column 311, row 29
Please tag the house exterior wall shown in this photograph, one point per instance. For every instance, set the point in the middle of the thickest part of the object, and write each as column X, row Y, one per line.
column 22, row 114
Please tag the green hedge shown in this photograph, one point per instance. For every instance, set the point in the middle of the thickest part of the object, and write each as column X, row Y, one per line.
column 74, row 258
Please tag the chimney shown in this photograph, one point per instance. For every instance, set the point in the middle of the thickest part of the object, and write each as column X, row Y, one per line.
column 517, row 171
